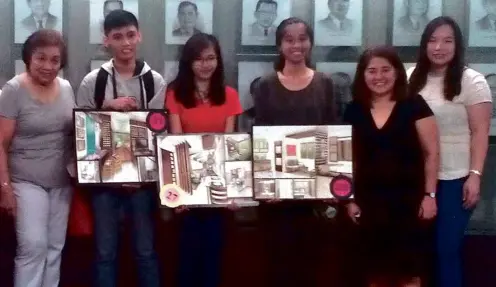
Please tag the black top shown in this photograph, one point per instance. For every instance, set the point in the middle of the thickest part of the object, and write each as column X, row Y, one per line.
column 388, row 162
column 277, row 106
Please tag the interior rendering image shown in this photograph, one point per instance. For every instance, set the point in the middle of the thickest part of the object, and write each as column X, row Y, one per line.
column 299, row 162
column 114, row 147
column 211, row 169
column 333, row 155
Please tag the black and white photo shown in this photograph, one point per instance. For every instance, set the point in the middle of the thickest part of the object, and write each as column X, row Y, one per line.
column 170, row 70
column 32, row 15
column 99, row 9
column 342, row 74
column 489, row 72
column 248, row 75
column 338, row 22
column 96, row 64
column 260, row 20
column 482, row 17
column 184, row 18
column 410, row 19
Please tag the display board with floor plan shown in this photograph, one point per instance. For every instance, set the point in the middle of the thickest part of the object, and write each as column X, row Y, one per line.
column 302, row 162
column 207, row 170
column 116, row 147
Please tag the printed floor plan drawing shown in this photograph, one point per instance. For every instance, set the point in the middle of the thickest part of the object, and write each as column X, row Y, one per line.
column 114, row 147
column 209, row 169
column 300, row 162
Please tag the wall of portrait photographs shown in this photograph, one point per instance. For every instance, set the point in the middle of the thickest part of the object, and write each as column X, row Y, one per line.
column 246, row 33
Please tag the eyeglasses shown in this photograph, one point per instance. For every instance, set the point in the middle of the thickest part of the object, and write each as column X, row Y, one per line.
column 209, row 60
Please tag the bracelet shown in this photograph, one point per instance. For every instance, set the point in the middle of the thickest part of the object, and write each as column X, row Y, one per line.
column 476, row 172
column 4, row 185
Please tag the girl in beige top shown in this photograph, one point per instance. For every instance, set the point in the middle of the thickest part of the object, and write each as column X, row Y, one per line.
column 461, row 101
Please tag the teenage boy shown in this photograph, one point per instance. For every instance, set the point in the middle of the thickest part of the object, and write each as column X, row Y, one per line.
column 123, row 84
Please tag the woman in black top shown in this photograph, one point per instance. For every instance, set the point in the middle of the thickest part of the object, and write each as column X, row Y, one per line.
column 293, row 95
column 395, row 157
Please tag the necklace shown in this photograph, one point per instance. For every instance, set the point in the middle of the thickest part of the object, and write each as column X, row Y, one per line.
column 202, row 96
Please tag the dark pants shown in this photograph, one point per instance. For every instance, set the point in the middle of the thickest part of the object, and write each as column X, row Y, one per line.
column 200, row 248
column 291, row 242
column 452, row 219
column 107, row 207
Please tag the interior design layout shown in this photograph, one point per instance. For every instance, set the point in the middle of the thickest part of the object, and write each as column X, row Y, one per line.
column 114, row 147
column 299, row 162
column 211, row 169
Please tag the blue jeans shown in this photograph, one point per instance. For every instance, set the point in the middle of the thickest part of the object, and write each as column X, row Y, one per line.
column 200, row 248
column 107, row 207
column 452, row 219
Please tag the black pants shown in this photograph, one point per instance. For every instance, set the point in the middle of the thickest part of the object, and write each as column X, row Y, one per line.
column 291, row 245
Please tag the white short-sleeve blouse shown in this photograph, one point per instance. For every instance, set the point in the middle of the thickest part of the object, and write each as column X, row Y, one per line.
column 452, row 119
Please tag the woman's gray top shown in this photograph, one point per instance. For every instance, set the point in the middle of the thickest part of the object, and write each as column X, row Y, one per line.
column 41, row 146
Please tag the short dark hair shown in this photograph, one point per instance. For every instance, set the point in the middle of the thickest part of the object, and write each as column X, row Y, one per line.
column 185, row 4
column 281, row 31
column 361, row 93
column 118, row 19
column 269, row 2
column 254, row 84
column 453, row 79
column 184, row 84
column 107, row 2
column 44, row 38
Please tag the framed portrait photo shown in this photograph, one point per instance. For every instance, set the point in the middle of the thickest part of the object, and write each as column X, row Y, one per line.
column 205, row 170
column 170, row 70
column 489, row 72
column 96, row 64
column 99, row 9
column 117, row 147
column 410, row 18
column 260, row 20
column 338, row 23
column 249, row 73
column 185, row 18
column 342, row 75
column 482, row 29
column 302, row 162
column 30, row 16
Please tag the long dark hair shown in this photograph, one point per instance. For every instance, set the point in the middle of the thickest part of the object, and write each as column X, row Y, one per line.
column 360, row 90
column 281, row 31
column 184, row 86
column 454, row 73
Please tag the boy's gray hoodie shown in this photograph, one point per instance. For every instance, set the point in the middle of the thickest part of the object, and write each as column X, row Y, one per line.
column 85, row 98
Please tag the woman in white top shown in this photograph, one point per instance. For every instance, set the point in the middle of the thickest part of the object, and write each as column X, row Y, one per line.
column 461, row 101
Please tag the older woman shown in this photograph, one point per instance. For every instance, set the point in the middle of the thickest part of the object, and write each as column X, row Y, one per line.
column 35, row 135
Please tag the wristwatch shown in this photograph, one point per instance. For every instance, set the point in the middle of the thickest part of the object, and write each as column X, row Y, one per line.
column 430, row 194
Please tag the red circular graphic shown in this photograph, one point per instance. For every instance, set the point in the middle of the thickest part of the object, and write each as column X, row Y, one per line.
column 341, row 187
column 157, row 121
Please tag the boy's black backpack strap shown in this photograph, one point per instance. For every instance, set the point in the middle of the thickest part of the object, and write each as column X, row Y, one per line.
column 100, row 85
